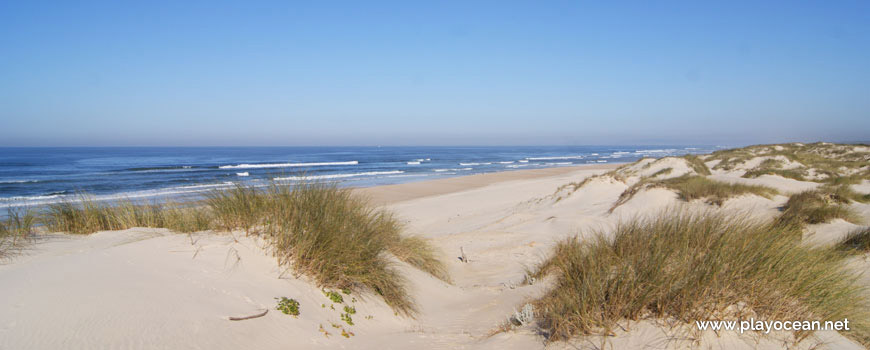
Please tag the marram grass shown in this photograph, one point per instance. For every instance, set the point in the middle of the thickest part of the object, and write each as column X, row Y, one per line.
column 15, row 230
column 318, row 229
column 693, row 266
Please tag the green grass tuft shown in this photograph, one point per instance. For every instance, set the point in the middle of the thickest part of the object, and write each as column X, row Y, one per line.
column 693, row 266
column 15, row 230
column 317, row 229
column 816, row 207
column 697, row 164
column 691, row 187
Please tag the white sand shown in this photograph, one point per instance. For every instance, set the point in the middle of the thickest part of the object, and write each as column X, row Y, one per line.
column 149, row 288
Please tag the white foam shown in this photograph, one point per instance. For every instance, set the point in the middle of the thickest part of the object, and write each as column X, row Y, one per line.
column 414, row 163
column 28, row 198
column 559, row 163
column 655, row 151
column 453, row 169
column 337, row 176
column 285, row 165
column 524, row 161
column 556, row 158
column 17, row 181
column 225, row 184
column 243, row 174
column 508, row 162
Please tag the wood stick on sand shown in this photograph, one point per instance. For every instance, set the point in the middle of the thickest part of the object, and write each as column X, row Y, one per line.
column 242, row 318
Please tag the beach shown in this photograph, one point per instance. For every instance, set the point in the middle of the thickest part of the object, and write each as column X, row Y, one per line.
column 153, row 288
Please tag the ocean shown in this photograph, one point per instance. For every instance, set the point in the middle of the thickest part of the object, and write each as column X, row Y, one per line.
column 31, row 177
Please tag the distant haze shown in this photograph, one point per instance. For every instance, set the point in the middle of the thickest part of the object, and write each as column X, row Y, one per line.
column 195, row 73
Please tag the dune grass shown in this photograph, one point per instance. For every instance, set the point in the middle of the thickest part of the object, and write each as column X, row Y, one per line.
column 816, row 207
column 856, row 241
column 693, row 266
column 697, row 164
column 698, row 187
column 88, row 216
column 692, row 187
column 832, row 160
column 15, row 230
column 316, row 229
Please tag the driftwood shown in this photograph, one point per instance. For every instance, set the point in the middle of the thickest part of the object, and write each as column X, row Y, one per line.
column 242, row 318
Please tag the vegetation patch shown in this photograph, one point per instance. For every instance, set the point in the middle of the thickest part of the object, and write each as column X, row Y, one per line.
column 317, row 229
column 15, row 230
column 88, row 216
column 831, row 161
column 816, row 207
column 857, row 240
column 288, row 306
column 691, row 187
column 694, row 266
column 697, row 164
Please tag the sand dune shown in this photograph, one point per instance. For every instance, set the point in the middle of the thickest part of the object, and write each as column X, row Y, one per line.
column 150, row 288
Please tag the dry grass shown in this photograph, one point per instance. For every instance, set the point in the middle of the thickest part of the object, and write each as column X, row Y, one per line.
column 693, row 266
column 697, row 164
column 831, row 160
column 88, row 216
column 692, row 187
column 816, row 207
column 15, row 230
column 857, row 241
column 316, row 229
column 698, row 187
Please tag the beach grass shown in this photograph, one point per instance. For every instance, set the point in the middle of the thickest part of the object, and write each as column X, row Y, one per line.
column 695, row 266
column 857, row 241
column 317, row 229
column 816, row 207
column 692, row 187
column 697, row 164
column 15, row 230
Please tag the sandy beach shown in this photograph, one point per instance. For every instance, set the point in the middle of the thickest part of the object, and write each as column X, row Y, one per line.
column 152, row 288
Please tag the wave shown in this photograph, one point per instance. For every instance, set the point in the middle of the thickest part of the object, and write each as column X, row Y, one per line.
column 28, row 198
column 508, row 162
column 647, row 151
column 284, row 165
column 467, row 164
column 337, row 176
column 417, row 162
column 452, row 169
column 243, row 174
column 523, row 161
column 17, row 181
column 559, row 163
column 556, row 157
column 224, row 184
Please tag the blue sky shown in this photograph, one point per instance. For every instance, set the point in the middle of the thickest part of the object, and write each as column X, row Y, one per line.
column 432, row 73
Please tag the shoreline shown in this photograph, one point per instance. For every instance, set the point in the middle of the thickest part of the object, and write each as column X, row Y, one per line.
column 395, row 193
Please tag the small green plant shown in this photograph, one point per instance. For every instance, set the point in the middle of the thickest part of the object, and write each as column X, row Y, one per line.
column 345, row 291
column 346, row 318
column 350, row 309
column 335, row 297
column 288, row 306
column 346, row 334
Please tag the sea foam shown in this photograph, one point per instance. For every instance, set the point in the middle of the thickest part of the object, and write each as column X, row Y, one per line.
column 285, row 165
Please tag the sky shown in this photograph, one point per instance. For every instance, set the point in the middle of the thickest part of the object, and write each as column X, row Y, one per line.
column 284, row 73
